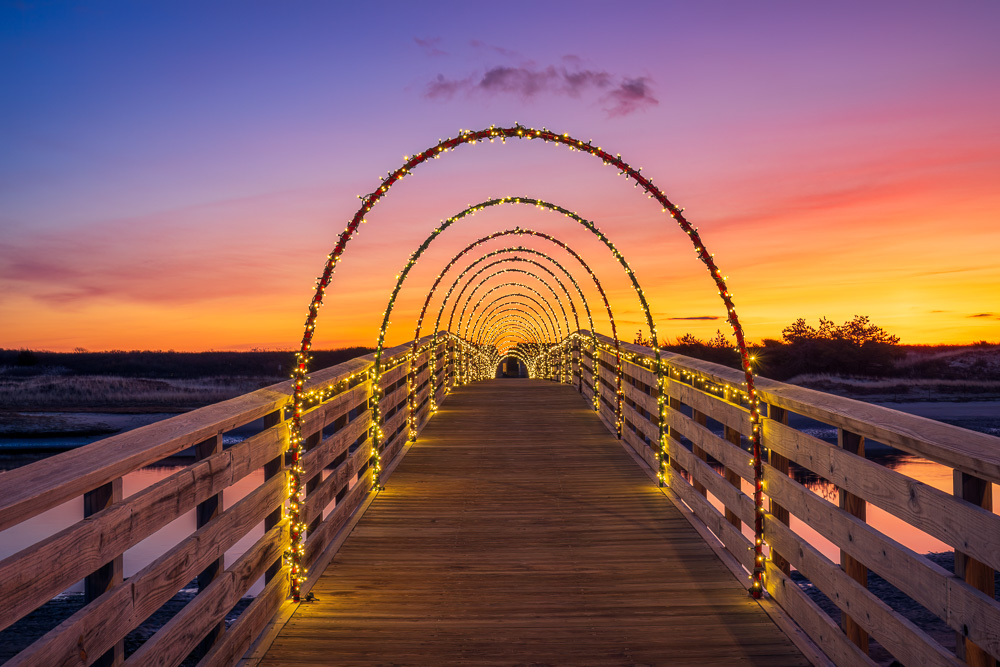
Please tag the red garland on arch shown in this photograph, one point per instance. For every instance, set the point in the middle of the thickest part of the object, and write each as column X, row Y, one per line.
column 297, row 528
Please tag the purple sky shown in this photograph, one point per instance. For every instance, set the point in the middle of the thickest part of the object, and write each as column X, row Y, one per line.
column 173, row 174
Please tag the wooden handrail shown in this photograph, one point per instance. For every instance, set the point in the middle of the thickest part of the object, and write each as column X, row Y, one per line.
column 337, row 434
column 34, row 575
column 964, row 600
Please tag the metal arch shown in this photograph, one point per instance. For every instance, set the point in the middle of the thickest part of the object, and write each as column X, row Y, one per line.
column 482, row 270
column 507, row 299
column 499, row 319
column 512, row 284
column 515, row 258
column 481, row 284
column 492, row 321
column 303, row 357
column 499, row 309
column 525, row 232
column 508, row 328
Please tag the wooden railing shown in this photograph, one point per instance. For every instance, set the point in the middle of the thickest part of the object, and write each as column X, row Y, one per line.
column 707, row 429
column 708, row 421
column 338, row 481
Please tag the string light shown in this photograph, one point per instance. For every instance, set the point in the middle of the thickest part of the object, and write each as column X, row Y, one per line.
column 303, row 356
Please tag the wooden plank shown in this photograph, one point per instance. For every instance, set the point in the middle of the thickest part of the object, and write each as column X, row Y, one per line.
column 96, row 627
column 898, row 635
column 30, row 490
column 337, row 481
column 81, row 548
column 730, row 415
column 852, row 567
column 642, row 399
column 960, row 524
column 537, row 540
column 781, row 465
column 249, row 625
column 640, row 373
column 642, row 450
column 641, row 423
column 975, row 453
column 820, row 627
column 318, row 539
column 735, row 542
column 110, row 574
column 721, row 450
column 182, row 633
column 950, row 598
column 205, row 511
column 320, row 457
column 977, row 574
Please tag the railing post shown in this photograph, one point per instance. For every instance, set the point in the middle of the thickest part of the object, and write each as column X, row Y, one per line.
column 733, row 477
column 275, row 466
column 780, row 464
column 978, row 575
column 702, row 419
column 674, row 436
column 310, row 443
column 855, row 506
column 108, row 575
column 575, row 368
column 207, row 510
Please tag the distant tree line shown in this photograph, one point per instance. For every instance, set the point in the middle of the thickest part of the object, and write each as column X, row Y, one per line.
column 176, row 365
column 856, row 347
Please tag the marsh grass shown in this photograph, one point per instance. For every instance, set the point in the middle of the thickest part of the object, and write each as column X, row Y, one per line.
column 111, row 393
column 901, row 388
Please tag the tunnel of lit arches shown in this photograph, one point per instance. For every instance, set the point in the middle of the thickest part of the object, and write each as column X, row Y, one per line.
column 510, row 303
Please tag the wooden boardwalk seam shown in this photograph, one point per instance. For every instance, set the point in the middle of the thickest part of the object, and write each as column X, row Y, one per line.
column 518, row 532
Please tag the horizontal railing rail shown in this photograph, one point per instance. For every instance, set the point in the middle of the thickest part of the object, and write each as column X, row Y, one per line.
column 337, row 467
column 708, row 429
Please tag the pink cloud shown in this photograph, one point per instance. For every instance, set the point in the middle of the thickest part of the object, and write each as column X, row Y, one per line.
column 621, row 95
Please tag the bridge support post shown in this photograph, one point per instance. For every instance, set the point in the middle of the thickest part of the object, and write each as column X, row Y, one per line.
column 856, row 506
column 702, row 419
column 205, row 512
column 780, row 464
column 733, row 477
column 108, row 575
column 275, row 466
column 978, row 575
column 311, row 442
column 674, row 436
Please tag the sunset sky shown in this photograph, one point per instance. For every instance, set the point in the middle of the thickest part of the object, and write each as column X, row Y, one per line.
column 174, row 174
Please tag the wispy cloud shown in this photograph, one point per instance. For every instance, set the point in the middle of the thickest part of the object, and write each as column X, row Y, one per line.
column 619, row 95
column 984, row 315
column 697, row 317
column 483, row 46
column 430, row 46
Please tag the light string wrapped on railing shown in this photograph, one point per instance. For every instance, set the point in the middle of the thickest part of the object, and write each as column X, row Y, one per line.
column 491, row 134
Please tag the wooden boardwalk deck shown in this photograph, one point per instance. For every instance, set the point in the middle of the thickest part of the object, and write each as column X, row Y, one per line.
column 518, row 531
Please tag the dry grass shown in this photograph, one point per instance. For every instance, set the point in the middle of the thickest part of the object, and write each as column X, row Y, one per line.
column 901, row 388
column 93, row 392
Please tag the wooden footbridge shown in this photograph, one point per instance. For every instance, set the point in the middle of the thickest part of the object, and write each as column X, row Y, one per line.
column 517, row 527
column 620, row 506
